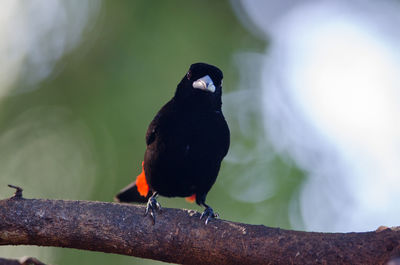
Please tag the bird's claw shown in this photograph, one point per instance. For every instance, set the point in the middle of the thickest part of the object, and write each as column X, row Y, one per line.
column 152, row 206
column 209, row 213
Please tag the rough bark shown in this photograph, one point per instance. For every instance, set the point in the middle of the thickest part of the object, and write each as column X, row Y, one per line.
column 179, row 236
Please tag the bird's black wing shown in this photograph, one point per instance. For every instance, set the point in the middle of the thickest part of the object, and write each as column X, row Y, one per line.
column 225, row 136
column 151, row 131
column 153, row 128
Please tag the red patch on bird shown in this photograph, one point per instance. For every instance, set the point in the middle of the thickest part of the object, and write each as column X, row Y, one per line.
column 191, row 199
column 141, row 183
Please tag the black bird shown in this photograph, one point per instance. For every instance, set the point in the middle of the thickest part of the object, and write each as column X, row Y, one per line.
column 186, row 142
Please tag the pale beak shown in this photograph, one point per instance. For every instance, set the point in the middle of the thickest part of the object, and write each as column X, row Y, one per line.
column 204, row 83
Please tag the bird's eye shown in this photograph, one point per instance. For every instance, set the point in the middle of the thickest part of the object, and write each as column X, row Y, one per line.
column 189, row 75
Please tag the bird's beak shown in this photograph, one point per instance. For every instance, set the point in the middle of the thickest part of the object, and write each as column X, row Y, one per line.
column 204, row 83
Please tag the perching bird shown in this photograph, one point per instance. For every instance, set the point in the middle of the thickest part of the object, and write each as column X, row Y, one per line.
column 186, row 142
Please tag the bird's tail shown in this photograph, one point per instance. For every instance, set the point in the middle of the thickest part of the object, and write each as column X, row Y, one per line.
column 131, row 194
column 137, row 191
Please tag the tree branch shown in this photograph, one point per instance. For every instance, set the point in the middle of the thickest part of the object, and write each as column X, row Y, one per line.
column 180, row 237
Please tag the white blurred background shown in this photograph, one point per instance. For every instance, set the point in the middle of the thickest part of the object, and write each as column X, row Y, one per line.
column 331, row 101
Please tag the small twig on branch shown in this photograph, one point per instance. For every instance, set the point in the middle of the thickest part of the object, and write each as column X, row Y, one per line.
column 18, row 191
column 180, row 237
column 21, row 261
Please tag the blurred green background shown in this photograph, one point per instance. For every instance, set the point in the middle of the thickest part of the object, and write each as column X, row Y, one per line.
column 79, row 132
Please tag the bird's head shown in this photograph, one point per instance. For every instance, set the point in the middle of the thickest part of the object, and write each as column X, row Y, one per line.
column 201, row 87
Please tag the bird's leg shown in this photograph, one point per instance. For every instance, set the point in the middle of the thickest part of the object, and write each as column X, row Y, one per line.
column 152, row 206
column 208, row 213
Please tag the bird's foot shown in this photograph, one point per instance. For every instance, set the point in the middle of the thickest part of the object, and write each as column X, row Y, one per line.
column 209, row 214
column 152, row 206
